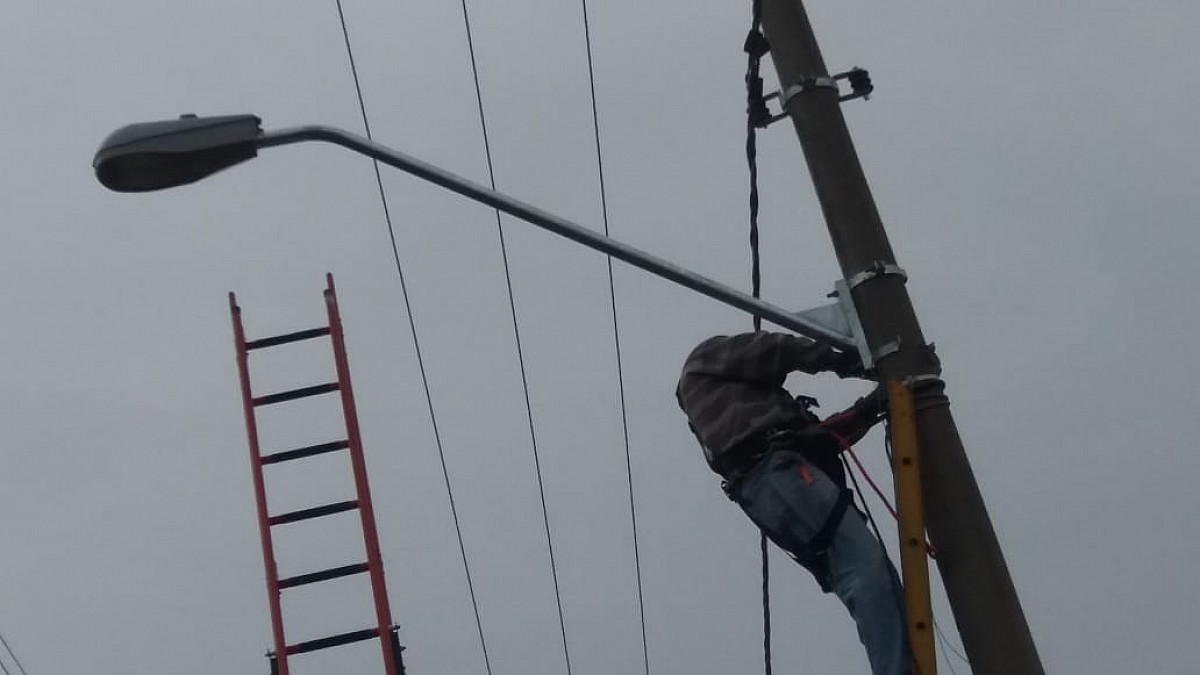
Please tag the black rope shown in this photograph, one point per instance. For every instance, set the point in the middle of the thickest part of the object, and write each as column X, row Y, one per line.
column 753, row 83
column 512, row 304
column 612, row 293
column 755, row 48
column 412, row 325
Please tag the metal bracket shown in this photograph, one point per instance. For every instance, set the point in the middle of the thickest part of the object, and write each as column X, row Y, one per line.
column 860, row 87
column 841, row 317
column 877, row 269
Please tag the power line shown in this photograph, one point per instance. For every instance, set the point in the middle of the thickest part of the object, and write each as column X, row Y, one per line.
column 612, row 292
column 412, row 324
column 946, row 644
column 942, row 644
column 12, row 654
column 512, row 304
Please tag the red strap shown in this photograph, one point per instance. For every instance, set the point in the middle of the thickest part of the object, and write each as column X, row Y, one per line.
column 805, row 474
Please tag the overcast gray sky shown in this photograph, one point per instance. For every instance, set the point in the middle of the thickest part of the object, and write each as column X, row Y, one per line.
column 1035, row 165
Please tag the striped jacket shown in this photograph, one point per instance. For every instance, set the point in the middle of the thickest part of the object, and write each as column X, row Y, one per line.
column 731, row 387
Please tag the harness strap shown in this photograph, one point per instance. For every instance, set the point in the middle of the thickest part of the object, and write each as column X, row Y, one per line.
column 824, row 536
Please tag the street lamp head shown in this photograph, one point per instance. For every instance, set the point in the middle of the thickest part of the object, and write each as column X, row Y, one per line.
column 157, row 155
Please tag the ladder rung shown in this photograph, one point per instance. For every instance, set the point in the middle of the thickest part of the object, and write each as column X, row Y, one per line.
column 296, row 393
column 332, row 641
column 309, row 451
column 289, row 337
column 314, row 512
column 323, row 575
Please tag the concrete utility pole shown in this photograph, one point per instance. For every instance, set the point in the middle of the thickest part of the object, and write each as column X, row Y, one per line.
column 986, row 608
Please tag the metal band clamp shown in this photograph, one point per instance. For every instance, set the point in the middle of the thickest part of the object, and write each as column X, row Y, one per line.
column 886, row 350
column 877, row 269
column 914, row 381
column 805, row 85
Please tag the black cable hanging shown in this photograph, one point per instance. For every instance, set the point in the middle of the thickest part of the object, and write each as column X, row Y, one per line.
column 487, row 149
column 756, row 47
column 612, row 292
column 417, row 345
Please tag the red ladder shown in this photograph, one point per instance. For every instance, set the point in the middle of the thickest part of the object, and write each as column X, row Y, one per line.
column 384, row 629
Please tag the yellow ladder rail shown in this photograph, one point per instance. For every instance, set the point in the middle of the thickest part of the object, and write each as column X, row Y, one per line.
column 911, row 512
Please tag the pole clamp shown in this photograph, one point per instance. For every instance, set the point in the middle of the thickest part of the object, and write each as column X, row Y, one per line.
column 805, row 85
column 885, row 350
column 916, row 380
column 860, row 87
column 877, row 269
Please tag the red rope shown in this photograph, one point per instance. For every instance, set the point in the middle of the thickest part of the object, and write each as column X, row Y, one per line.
column 929, row 548
column 871, row 482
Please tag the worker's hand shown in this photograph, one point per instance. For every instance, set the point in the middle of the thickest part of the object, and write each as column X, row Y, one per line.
column 872, row 407
column 847, row 364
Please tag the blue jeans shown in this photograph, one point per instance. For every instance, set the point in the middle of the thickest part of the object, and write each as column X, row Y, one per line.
column 790, row 499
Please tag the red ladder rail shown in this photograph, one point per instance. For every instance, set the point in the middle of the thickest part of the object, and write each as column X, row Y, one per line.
column 384, row 630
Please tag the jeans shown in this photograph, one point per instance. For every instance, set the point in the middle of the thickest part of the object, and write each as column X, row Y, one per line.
column 790, row 499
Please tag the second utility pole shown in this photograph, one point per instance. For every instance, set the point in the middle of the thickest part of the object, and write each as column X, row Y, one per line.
column 981, row 592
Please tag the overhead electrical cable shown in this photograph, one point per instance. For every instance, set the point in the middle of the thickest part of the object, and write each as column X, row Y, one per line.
column 945, row 643
column 512, row 304
column 12, row 655
column 412, row 324
column 612, row 294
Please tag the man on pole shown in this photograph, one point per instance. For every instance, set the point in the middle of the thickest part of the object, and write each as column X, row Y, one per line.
column 780, row 463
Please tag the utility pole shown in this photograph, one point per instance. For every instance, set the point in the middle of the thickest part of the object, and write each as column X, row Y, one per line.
column 981, row 592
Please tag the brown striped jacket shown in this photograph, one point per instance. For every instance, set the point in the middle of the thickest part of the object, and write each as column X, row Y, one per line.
column 731, row 388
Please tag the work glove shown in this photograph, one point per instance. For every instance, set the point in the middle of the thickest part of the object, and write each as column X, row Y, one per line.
column 873, row 407
column 847, row 364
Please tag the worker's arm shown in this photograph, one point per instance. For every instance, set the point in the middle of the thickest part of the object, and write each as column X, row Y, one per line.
column 767, row 357
column 854, row 422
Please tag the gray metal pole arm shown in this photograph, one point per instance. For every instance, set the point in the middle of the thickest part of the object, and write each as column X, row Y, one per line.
column 557, row 225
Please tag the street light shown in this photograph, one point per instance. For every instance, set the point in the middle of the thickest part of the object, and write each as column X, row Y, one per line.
column 158, row 155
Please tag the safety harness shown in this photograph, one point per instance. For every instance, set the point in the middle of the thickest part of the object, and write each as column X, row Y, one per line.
column 813, row 553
